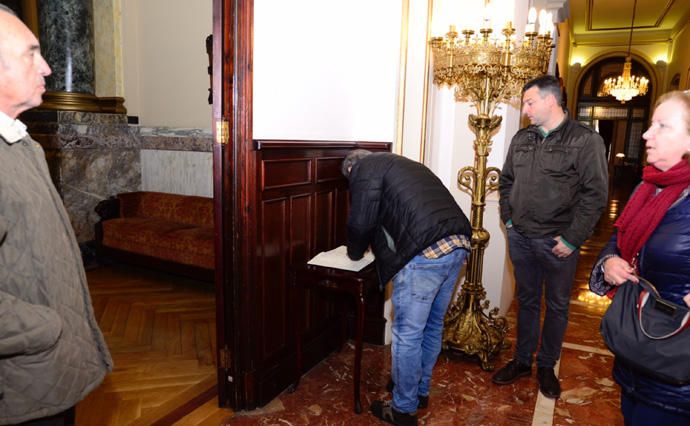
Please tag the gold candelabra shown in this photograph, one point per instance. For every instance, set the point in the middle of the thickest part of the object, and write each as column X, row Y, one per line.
column 485, row 72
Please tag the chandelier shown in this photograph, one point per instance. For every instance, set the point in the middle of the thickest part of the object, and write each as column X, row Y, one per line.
column 484, row 71
column 472, row 61
column 626, row 86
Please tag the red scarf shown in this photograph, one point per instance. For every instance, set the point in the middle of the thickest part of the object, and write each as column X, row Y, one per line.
column 645, row 209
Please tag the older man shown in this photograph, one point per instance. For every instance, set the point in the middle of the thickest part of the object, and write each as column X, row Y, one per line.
column 553, row 188
column 52, row 352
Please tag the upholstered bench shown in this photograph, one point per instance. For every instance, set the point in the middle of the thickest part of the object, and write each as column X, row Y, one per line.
column 171, row 232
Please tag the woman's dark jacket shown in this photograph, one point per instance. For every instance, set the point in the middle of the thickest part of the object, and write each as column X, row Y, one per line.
column 665, row 262
column 399, row 207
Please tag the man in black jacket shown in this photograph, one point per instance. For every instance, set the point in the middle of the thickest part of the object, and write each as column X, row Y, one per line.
column 553, row 188
column 420, row 238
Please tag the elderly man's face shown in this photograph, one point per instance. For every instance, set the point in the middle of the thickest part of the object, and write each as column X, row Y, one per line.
column 22, row 68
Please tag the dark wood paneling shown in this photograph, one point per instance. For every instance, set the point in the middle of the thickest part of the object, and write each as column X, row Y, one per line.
column 273, row 288
column 287, row 172
column 300, row 205
column 328, row 169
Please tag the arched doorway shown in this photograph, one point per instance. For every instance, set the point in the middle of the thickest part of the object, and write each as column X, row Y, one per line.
column 621, row 125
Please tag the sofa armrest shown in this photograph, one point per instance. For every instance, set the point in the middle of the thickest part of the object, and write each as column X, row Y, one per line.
column 108, row 208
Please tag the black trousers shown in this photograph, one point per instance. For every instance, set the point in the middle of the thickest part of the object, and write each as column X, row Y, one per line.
column 536, row 268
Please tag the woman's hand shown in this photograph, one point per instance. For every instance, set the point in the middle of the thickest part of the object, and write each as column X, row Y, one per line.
column 617, row 271
column 686, row 299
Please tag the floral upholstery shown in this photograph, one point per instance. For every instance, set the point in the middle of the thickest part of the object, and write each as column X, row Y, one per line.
column 173, row 227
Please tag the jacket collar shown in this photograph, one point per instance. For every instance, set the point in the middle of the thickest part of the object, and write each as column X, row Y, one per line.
column 555, row 134
column 11, row 130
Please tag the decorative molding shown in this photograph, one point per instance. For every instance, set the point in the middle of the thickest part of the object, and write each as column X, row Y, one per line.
column 662, row 14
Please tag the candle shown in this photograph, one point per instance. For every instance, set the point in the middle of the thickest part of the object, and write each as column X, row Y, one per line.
column 549, row 24
column 542, row 20
column 531, row 17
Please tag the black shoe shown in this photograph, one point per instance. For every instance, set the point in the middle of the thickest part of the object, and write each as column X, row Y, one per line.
column 511, row 372
column 384, row 410
column 548, row 382
column 423, row 399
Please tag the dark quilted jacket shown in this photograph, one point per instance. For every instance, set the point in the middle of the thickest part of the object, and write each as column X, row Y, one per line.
column 665, row 262
column 52, row 353
column 399, row 207
column 556, row 185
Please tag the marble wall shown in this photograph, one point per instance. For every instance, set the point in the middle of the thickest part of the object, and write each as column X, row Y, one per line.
column 66, row 33
column 93, row 156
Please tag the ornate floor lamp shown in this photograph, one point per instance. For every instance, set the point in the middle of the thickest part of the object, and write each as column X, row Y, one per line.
column 485, row 72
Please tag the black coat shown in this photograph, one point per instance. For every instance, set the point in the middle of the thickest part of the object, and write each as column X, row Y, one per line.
column 556, row 185
column 399, row 207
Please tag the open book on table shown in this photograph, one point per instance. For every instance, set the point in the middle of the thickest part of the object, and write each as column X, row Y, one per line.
column 337, row 258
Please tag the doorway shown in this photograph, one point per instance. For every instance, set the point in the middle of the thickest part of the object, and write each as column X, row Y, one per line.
column 620, row 124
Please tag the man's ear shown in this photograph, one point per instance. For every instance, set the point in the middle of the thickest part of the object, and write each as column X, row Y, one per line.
column 551, row 99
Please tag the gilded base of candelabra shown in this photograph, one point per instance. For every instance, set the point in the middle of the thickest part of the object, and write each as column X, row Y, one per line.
column 469, row 332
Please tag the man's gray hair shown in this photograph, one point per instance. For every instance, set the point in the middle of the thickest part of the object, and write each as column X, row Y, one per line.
column 4, row 8
column 351, row 159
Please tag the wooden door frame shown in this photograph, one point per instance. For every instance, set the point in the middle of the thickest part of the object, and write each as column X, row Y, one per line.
column 232, row 104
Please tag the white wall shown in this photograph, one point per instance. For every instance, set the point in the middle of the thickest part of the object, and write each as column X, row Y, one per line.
column 164, row 59
column 449, row 140
column 325, row 70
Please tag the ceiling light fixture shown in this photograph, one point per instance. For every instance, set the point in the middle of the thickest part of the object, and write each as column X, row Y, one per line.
column 626, row 86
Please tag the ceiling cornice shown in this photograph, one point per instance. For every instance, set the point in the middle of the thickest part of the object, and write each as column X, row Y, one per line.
column 662, row 14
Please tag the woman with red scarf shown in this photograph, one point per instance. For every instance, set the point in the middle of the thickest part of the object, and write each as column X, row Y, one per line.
column 652, row 240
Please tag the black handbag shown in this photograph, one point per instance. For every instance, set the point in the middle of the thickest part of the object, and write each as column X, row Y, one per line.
column 648, row 333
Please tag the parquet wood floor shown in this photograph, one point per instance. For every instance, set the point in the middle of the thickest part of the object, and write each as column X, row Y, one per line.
column 161, row 332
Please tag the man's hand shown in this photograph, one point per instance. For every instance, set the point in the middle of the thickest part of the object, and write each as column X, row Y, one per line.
column 686, row 299
column 560, row 249
column 617, row 271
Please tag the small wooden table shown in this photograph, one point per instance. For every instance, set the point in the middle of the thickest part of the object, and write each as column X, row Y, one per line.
column 357, row 284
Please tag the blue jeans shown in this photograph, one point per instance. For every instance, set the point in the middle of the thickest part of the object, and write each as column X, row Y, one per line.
column 422, row 291
column 637, row 413
column 535, row 268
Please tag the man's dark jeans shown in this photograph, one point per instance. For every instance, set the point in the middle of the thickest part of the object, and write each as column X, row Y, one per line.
column 534, row 265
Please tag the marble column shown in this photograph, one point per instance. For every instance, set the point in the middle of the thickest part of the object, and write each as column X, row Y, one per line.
column 66, row 35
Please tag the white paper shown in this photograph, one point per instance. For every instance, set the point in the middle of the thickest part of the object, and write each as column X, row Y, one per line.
column 337, row 258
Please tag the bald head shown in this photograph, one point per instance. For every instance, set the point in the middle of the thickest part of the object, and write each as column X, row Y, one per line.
column 23, row 69
column 4, row 9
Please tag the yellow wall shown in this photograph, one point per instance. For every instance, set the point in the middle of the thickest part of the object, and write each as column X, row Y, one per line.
column 107, row 47
column 164, row 60
column 651, row 52
column 680, row 58
column 563, row 49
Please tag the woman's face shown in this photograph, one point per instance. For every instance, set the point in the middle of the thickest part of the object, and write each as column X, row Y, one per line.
column 668, row 138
